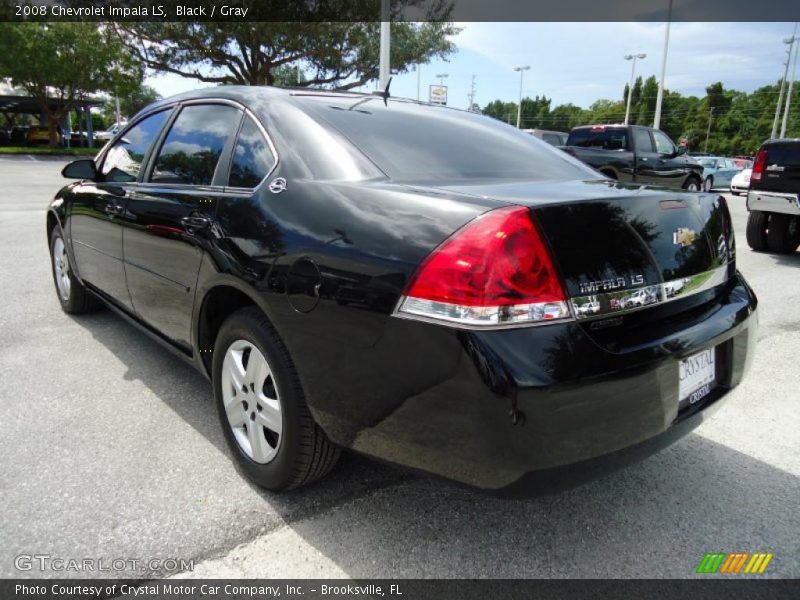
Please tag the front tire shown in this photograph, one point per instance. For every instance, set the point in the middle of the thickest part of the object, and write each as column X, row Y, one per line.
column 757, row 223
column 73, row 296
column 783, row 234
column 692, row 184
column 708, row 184
column 262, row 408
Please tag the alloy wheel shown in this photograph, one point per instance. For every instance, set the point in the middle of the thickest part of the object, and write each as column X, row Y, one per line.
column 61, row 267
column 251, row 400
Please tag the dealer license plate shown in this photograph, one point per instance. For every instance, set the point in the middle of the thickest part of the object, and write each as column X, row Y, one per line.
column 696, row 377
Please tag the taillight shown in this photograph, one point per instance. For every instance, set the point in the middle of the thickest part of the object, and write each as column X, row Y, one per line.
column 759, row 165
column 494, row 271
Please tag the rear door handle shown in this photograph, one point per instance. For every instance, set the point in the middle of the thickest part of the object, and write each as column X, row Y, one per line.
column 195, row 222
column 114, row 209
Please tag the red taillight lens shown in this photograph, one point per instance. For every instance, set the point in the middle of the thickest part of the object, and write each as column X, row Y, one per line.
column 759, row 165
column 494, row 271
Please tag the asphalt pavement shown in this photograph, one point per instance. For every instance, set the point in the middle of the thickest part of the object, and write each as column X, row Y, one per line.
column 110, row 449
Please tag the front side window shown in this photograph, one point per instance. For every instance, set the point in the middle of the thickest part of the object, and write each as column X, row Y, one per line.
column 663, row 144
column 252, row 157
column 123, row 161
column 194, row 144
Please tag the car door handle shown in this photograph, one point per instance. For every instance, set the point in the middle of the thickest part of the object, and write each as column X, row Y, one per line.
column 195, row 222
column 114, row 209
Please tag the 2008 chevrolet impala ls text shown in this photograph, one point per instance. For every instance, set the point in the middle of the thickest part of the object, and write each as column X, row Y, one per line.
column 420, row 284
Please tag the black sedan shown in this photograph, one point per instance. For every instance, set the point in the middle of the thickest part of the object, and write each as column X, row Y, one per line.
column 416, row 283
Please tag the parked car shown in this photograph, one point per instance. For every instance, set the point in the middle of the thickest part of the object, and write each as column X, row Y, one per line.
column 741, row 182
column 774, row 197
column 554, row 138
column 466, row 246
column 636, row 154
column 5, row 137
column 106, row 135
column 40, row 134
column 717, row 171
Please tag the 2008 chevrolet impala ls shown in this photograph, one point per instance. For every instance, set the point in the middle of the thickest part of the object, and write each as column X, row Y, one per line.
column 416, row 283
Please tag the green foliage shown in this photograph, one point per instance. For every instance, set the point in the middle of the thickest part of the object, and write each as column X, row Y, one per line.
column 65, row 61
column 739, row 124
column 130, row 103
column 340, row 55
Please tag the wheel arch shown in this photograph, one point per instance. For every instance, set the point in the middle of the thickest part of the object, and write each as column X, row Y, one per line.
column 218, row 302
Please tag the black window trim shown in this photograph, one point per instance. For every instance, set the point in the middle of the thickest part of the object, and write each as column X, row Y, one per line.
column 275, row 157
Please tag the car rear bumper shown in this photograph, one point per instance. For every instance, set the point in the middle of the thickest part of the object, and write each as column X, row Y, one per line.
column 775, row 202
column 540, row 408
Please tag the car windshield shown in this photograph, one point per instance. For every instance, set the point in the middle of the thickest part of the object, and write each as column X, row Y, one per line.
column 410, row 141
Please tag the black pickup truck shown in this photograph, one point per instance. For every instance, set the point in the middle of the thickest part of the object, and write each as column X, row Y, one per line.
column 632, row 153
column 774, row 198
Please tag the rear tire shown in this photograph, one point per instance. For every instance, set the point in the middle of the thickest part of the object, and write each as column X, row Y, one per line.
column 283, row 447
column 692, row 184
column 73, row 296
column 757, row 223
column 783, row 234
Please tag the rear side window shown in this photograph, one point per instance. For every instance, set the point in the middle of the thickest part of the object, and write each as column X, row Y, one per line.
column 252, row 157
column 785, row 154
column 606, row 139
column 642, row 140
column 552, row 139
column 194, row 144
column 123, row 161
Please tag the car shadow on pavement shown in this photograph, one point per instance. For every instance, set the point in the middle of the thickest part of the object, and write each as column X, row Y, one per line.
column 654, row 519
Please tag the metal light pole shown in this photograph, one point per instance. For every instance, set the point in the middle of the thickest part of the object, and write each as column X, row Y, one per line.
column 790, row 41
column 419, row 71
column 441, row 77
column 789, row 93
column 660, row 96
column 632, row 57
column 386, row 34
column 519, row 106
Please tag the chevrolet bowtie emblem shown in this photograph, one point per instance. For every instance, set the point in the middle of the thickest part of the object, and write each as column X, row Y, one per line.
column 683, row 236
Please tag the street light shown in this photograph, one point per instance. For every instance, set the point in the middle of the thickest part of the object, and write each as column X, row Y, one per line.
column 660, row 95
column 632, row 57
column 442, row 77
column 789, row 89
column 790, row 42
column 519, row 105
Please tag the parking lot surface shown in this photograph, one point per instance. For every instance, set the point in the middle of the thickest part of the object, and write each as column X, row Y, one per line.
column 110, row 448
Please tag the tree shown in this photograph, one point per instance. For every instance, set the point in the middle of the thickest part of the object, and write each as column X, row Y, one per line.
column 130, row 102
column 63, row 61
column 339, row 55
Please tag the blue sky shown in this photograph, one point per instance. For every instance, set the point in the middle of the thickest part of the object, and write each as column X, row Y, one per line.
column 581, row 62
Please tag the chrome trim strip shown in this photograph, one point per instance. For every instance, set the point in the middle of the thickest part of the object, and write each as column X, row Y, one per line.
column 603, row 304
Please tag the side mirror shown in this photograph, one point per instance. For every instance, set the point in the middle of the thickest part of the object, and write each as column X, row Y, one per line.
column 80, row 169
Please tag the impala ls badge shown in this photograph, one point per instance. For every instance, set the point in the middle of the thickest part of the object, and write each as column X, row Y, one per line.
column 684, row 236
column 277, row 185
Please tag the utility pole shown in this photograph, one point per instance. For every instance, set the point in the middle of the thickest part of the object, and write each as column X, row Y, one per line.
column 660, row 96
column 785, row 123
column 519, row 106
column 419, row 71
column 471, row 94
column 708, row 131
column 386, row 34
column 791, row 42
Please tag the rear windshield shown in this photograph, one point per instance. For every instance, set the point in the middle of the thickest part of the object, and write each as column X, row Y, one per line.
column 606, row 139
column 419, row 142
column 783, row 154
